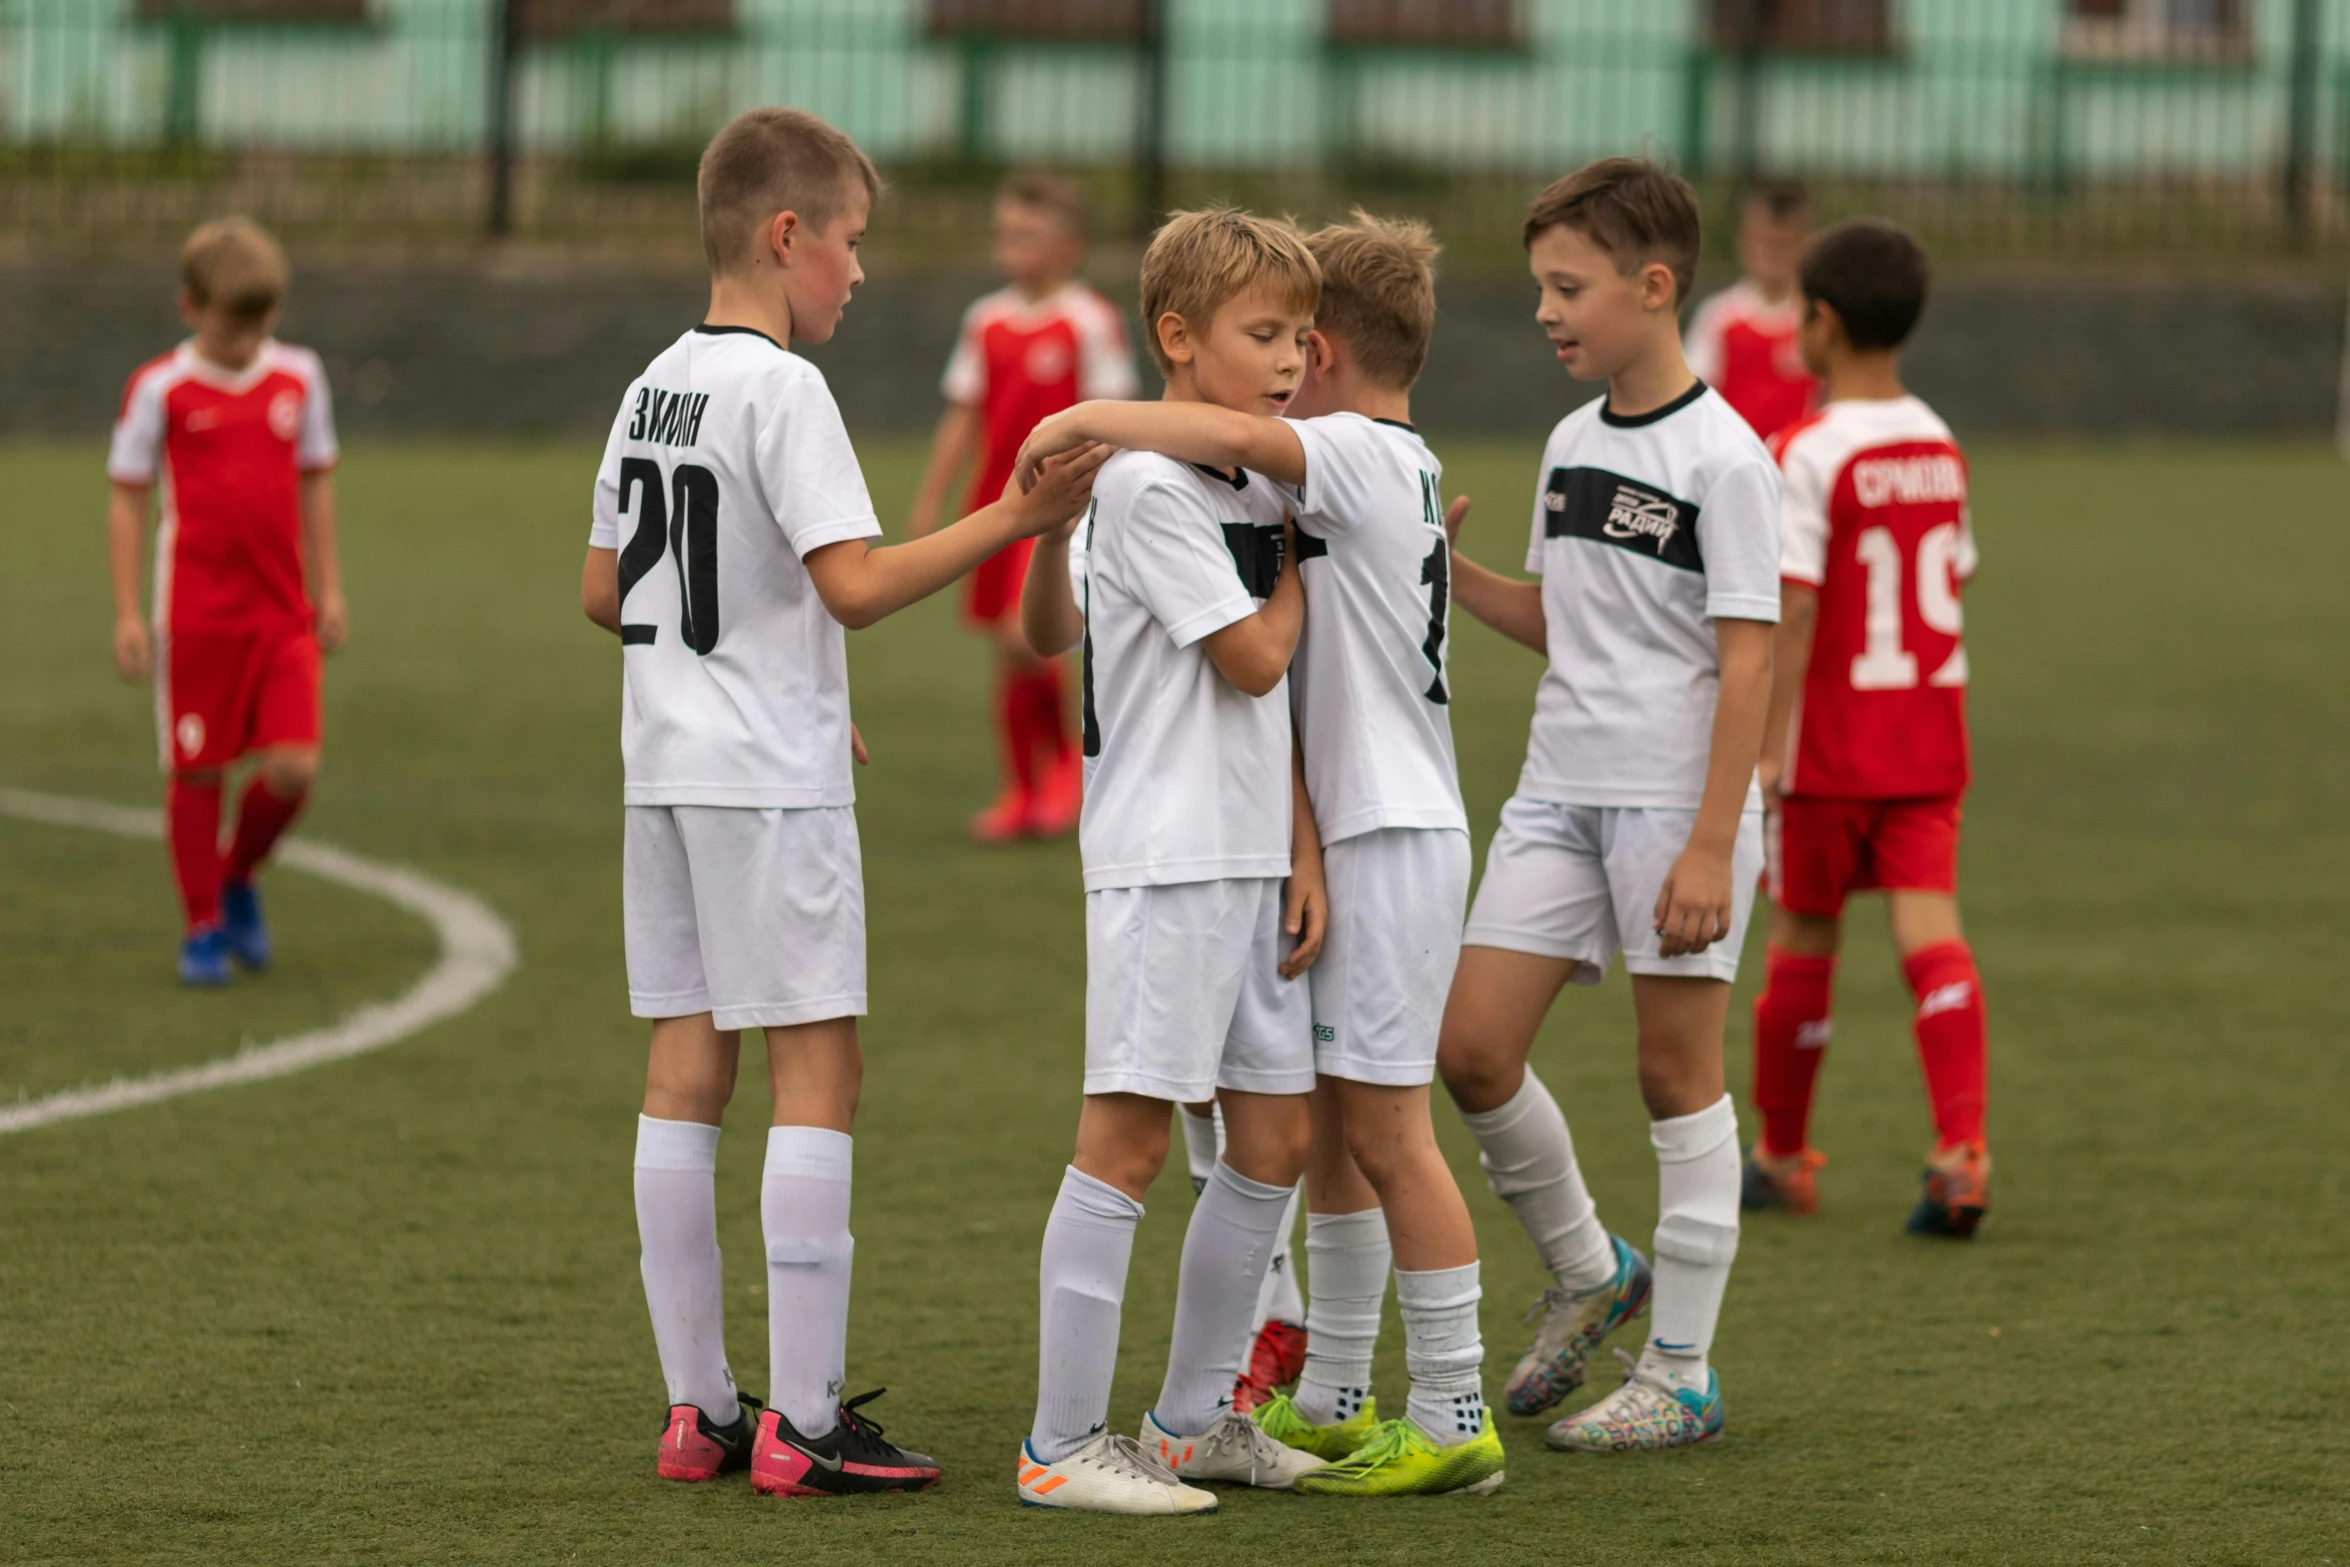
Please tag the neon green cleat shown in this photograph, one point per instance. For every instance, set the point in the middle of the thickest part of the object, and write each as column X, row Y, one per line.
column 1279, row 1419
column 1400, row 1459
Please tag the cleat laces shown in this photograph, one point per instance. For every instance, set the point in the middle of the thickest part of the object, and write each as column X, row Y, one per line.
column 1240, row 1437
column 1389, row 1440
column 862, row 1433
column 1128, row 1459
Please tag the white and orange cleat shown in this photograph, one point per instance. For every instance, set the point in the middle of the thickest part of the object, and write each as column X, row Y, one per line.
column 1110, row 1474
column 1235, row 1450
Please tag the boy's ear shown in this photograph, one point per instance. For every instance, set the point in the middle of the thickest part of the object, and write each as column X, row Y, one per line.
column 782, row 230
column 191, row 313
column 1657, row 287
column 1175, row 338
column 1824, row 313
column 1321, row 352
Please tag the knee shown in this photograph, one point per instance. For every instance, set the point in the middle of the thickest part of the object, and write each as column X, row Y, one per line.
column 1274, row 1149
column 1477, row 1078
column 1669, row 1088
column 1382, row 1150
column 287, row 773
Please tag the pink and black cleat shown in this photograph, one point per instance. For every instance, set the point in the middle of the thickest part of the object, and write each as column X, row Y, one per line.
column 695, row 1447
column 849, row 1460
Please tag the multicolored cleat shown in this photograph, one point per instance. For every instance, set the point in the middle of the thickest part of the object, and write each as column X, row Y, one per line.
column 1234, row 1450
column 1400, row 1459
column 1275, row 1360
column 1110, row 1474
column 1573, row 1324
column 1772, row 1184
column 1957, row 1192
column 695, row 1447
column 204, row 958
column 851, row 1459
column 1648, row 1413
column 1279, row 1418
column 242, row 925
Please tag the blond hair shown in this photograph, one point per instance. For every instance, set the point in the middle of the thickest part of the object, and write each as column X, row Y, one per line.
column 234, row 264
column 1379, row 293
column 1200, row 261
column 774, row 160
column 1056, row 195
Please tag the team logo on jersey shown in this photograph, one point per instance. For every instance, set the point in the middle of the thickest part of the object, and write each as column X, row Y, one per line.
column 189, row 732
column 1607, row 508
column 285, row 415
column 1911, row 481
column 1048, row 359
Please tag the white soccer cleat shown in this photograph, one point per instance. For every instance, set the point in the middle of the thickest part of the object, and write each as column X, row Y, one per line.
column 1235, row 1449
column 1110, row 1474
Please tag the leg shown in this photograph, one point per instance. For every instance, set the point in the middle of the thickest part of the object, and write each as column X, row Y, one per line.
column 814, row 1072
column 1791, row 1028
column 1088, row 1242
column 279, row 788
column 1346, row 1246
column 1694, row 1128
column 192, row 813
column 1940, row 968
column 689, row 1077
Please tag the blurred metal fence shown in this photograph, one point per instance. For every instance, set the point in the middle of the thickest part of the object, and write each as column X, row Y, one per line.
column 1998, row 127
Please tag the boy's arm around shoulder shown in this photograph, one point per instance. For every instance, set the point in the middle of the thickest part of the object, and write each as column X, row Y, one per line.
column 1188, row 432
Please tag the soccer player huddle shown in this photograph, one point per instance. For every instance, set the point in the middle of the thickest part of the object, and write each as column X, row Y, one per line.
column 1753, row 664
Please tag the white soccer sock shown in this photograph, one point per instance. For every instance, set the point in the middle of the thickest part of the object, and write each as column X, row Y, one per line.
column 1443, row 1351
column 1201, row 1144
column 1225, row 1253
column 1350, row 1258
column 1529, row 1160
column 1278, row 1299
column 1696, row 1234
column 1088, row 1242
column 804, row 1209
column 677, row 1229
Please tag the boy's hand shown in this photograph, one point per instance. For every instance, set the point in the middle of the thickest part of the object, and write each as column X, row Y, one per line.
column 1051, row 437
column 857, row 748
column 1305, row 914
column 1693, row 906
column 1769, row 773
column 334, row 622
column 1454, row 516
column 1062, row 486
column 134, row 649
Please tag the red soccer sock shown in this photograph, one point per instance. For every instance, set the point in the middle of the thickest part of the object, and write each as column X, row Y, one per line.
column 261, row 817
column 1048, row 711
column 1011, row 727
column 1950, row 1036
column 192, row 826
column 1790, row 1036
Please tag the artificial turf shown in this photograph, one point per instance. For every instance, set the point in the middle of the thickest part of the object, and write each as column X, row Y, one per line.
column 388, row 1309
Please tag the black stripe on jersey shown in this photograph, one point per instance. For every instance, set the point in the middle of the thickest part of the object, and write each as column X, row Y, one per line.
column 1608, row 415
column 639, row 636
column 1607, row 508
column 1256, row 552
column 707, row 330
column 1093, row 724
column 1311, row 546
column 1237, row 478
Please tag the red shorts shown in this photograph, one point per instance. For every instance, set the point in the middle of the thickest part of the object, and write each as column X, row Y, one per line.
column 219, row 695
column 1821, row 851
column 994, row 589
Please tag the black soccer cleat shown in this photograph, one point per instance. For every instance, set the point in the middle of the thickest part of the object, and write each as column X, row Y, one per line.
column 849, row 1460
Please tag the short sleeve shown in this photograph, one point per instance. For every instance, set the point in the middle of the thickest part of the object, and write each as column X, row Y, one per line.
column 604, row 524
column 316, row 449
column 1541, row 526
column 1105, row 364
column 965, row 380
column 1803, row 517
column 1182, row 569
column 1703, row 347
column 1964, row 562
column 1340, row 456
column 808, row 468
column 1738, row 536
column 136, row 451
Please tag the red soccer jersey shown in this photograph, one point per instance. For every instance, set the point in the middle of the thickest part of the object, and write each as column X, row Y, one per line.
column 1744, row 347
column 230, row 450
column 1020, row 362
column 1875, row 518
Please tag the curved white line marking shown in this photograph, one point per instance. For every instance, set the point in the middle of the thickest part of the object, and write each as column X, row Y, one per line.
column 477, row 953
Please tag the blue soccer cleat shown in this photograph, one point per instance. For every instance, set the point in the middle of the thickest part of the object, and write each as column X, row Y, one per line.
column 242, row 925
column 1573, row 1323
column 204, row 958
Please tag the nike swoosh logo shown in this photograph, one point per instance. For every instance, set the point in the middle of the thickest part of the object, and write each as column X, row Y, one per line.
column 830, row 1465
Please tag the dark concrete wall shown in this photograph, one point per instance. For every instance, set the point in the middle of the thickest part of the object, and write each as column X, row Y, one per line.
column 448, row 349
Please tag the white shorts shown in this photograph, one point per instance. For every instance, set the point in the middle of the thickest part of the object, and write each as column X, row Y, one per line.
column 1396, row 897
column 754, row 916
column 1580, row 881
column 1183, row 993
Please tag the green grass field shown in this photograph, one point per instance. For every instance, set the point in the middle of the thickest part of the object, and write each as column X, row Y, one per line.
column 388, row 1310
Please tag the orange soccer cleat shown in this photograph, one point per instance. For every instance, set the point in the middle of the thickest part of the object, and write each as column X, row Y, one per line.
column 1006, row 821
column 1781, row 1185
column 1957, row 1192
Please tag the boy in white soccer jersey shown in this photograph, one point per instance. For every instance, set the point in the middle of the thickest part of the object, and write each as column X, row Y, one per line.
column 1372, row 710
column 730, row 548
column 1637, row 826
column 1192, row 609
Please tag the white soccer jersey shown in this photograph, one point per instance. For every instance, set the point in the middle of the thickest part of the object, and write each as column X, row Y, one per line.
column 1186, row 776
column 727, row 465
column 1369, row 680
column 1646, row 530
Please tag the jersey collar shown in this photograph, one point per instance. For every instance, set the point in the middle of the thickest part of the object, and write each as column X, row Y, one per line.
column 707, row 330
column 1608, row 415
column 221, row 377
column 1238, row 479
column 1398, row 424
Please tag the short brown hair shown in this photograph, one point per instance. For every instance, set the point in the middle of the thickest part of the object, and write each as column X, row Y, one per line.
column 773, row 160
column 1874, row 273
column 233, row 263
column 1057, row 195
column 1379, row 292
column 1635, row 210
column 1198, row 261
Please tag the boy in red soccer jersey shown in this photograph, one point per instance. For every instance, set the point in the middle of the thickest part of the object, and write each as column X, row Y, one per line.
column 248, row 588
column 1042, row 343
column 1865, row 749
column 1742, row 340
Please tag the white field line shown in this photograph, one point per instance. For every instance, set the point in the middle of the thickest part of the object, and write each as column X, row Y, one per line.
column 477, row 953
